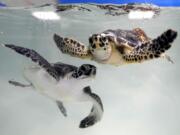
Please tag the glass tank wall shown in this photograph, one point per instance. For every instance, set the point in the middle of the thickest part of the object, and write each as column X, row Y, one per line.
column 138, row 99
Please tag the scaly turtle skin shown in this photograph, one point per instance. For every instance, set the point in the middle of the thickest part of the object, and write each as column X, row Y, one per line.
column 61, row 82
column 118, row 47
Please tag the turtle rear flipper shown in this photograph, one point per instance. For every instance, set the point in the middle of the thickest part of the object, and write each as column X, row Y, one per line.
column 61, row 108
column 152, row 49
column 15, row 83
column 71, row 47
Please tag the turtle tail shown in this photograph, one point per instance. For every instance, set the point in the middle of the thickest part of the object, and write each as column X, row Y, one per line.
column 153, row 49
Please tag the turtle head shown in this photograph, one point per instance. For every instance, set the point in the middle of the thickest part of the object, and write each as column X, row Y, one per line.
column 85, row 71
column 100, row 47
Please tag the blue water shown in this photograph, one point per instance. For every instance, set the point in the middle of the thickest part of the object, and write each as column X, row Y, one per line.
column 172, row 3
column 139, row 99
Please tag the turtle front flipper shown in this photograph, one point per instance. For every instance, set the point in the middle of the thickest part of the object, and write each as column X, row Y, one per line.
column 72, row 47
column 152, row 49
column 97, row 109
column 36, row 58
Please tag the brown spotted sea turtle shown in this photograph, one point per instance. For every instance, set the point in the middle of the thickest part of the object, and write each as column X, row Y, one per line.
column 118, row 47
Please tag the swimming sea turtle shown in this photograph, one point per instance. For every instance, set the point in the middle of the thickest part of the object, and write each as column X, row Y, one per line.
column 119, row 46
column 61, row 82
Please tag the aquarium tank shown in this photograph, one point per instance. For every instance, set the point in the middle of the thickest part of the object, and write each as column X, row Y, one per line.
column 89, row 67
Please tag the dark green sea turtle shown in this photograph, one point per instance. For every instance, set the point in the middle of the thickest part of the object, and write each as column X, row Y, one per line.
column 61, row 82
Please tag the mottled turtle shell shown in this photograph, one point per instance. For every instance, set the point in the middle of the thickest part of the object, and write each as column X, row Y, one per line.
column 131, row 38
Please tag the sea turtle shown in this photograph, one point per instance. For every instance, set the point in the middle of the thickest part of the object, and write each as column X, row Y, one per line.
column 61, row 82
column 119, row 46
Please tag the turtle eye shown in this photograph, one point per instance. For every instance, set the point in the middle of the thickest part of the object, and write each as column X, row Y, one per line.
column 93, row 46
column 103, row 39
column 110, row 38
column 80, row 73
column 90, row 40
column 95, row 38
column 101, row 44
column 75, row 75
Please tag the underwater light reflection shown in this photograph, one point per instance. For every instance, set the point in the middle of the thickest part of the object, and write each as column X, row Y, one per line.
column 141, row 14
column 46, row 15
